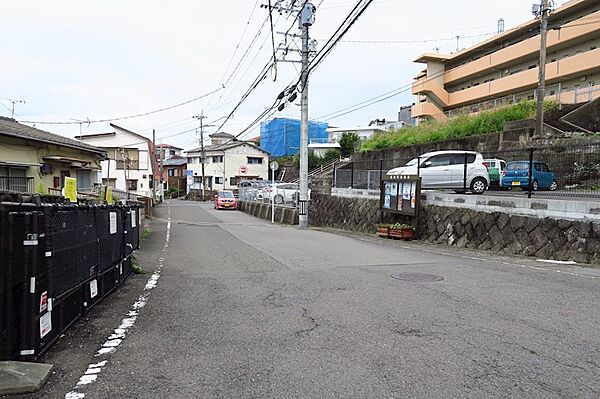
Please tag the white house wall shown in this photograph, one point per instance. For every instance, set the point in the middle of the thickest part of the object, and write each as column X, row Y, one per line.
column 124, row 139
column 234, row 158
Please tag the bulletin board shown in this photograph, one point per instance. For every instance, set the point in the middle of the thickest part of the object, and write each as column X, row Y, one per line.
column 401, row 194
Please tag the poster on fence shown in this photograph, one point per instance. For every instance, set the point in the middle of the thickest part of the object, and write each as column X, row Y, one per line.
column 112, row 222
column 45, row 324
column 70, row 189
column 109, row 195
column 133, row 216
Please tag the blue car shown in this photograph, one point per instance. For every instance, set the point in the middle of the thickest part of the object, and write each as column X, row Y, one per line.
column 516, row 174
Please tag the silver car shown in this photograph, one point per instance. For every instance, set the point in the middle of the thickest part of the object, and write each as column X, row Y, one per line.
column 446, row 170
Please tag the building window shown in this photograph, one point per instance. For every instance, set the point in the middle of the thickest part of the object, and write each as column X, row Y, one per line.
column 171, row 172
column 171, row 152
column 84, row 180
column 217, row 159
column 132, row 184
column 254, row 160
column 233, row 181
column 192, row 160
column 218, row 180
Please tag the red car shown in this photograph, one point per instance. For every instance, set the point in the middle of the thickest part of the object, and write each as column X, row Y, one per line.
column 225, row 200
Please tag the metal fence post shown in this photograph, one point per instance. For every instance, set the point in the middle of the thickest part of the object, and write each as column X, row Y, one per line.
column 352, row 174
column 530, row 183
column 334, row 176
column 380, row 170
column 465, row 174
column 418, row 166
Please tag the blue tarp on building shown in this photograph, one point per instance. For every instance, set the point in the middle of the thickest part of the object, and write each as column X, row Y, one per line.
column 281, row 136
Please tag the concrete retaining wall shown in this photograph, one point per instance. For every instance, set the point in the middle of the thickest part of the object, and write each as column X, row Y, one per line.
column 263, row 211
column 501, row 232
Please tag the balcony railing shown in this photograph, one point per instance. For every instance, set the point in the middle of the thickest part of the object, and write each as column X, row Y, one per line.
column 18, row 184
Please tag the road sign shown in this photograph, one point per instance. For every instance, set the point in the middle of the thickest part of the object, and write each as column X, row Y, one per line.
column 274, row 165
column 243, row 170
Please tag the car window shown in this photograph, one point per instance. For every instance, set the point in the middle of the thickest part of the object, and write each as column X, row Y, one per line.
column 492, row 164
column 538, row 167
column 459, row 159
column 544, row 167
column 225, row 194
column 502, row 165
column 517, row 166
column 440, row 160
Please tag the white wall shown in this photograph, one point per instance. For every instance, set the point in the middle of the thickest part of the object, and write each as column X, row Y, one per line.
column 233, row 159
column 124, row 139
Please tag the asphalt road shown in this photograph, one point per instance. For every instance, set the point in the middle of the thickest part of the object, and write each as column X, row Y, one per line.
column 244, row 309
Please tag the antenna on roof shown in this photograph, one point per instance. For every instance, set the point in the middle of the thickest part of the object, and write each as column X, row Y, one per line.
column 501, row 25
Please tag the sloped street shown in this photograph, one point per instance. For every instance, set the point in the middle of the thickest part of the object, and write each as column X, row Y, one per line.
column 245, row 309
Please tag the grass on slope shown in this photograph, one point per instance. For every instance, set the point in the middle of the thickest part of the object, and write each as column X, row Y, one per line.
column 461, row 126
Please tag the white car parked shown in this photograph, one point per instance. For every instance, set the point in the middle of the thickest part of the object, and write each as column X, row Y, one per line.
column 446, row 169
column 281, row 193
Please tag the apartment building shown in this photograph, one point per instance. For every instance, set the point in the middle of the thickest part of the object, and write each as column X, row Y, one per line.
column 504, row 69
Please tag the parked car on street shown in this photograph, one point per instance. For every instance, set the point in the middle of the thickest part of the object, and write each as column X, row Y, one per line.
column 225, row 200
column 281, row 193
column 516, row 174
column 495, row 168
column 250, row 189
column 446, row 170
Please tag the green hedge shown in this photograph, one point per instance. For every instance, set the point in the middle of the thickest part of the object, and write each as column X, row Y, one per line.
column 461, row 126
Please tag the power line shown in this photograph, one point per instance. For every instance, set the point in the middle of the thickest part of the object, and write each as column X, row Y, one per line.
column 122, row 117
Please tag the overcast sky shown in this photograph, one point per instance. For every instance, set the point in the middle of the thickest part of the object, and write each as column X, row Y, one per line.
column 103, row 59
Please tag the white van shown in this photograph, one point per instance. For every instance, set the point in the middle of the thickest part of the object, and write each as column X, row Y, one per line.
column 446, row 170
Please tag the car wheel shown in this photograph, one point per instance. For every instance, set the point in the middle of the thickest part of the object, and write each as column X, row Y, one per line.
column 478, row 185
column 278, row 199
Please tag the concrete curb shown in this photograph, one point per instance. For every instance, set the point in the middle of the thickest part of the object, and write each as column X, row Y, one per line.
column 22, row 377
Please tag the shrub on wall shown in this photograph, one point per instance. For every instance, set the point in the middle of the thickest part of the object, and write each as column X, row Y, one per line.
column 461, row 126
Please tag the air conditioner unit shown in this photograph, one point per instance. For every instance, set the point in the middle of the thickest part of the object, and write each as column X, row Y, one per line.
column 46, row 168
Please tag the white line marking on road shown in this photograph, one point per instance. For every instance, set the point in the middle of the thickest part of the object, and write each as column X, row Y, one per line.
column 116, row 338
column 558, row 262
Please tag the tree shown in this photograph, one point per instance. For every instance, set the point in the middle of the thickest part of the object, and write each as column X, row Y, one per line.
column 348, row 142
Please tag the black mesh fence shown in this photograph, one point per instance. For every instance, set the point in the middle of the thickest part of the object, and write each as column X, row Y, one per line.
column 553, row 170
column 57, row 261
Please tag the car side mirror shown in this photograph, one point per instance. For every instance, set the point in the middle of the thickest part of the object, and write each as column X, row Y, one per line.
column 426, row 164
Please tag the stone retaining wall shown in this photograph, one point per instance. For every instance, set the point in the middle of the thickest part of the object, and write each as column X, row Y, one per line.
column 500, row 232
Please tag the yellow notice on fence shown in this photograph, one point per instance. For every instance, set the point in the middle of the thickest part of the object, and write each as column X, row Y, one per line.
column 109, row 195
column 70, row 189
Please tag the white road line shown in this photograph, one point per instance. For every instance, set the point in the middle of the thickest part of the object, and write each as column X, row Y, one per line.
column 116, row 338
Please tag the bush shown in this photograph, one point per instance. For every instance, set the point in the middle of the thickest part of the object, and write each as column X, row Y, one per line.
column 461, row 126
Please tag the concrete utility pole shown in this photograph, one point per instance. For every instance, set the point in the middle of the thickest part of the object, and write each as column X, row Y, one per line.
column 306, row 18
column 202, row 154
column 542, row 11
column 153, row 180
column 162, row 188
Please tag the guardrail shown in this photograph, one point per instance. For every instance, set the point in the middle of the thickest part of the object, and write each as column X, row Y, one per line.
column 57, row 261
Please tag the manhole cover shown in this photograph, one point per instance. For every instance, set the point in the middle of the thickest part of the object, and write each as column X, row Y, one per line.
column 417, row 277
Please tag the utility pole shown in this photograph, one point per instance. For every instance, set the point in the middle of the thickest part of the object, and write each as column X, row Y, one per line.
column 306, row 18
column 162, row 188
column 542, row 10
column 153, row 179
column 202, row 154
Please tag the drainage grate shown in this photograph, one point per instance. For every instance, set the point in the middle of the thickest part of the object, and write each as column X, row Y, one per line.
column 417, row 277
